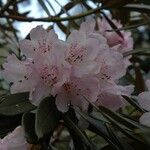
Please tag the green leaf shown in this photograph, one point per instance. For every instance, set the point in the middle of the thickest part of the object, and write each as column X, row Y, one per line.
column 133, row 103
column 15, row 104
column 139, row 81
column 120, row 119
column 28, row 123
column 99, row 128
column 117, row 117
column 47, row 118
column 121, row 144
column 138, row 7
column 80, row 140
column 141, row 51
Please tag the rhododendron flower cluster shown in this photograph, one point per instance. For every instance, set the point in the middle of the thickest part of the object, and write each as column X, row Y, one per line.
column 84, row 67
column 144, row 102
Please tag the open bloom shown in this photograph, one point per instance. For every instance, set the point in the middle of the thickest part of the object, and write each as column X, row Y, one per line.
column 144, row 102
column 116, row 43
column 76, row 91
column 114, row 40
column 112, row 68
column 82, row 50
column 14, row 141
column 43, row 69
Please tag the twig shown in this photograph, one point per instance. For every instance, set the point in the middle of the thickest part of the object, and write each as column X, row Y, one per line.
column 51, row 18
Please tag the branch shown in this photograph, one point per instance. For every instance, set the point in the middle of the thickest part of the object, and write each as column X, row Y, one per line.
column 6, row 6
column 51, row 18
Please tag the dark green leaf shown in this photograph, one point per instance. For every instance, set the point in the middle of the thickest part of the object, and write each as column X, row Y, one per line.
column 121, row 144
column 138, row 7
column 15, row 104
column 139, row 81
column 47, row 118
column 80, row 140
column 117, row 117
column 99, row 128
column 133, row 103
column 120, row 119
column 28, row 123
column 141, row 51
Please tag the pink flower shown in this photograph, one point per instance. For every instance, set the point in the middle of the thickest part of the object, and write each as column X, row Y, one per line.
column 114, row 40
column 43, row 69
column 110, row 96
column 112, row 68
column 144, row 102
column 82, row 50
column 14, row 140
column 76, row 91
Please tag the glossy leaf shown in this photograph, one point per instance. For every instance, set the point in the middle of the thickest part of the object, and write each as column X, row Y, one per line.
column 133, row 103
column 138, row 7
column 79, row 138
column 15, row 104
column 28, row 123
column 47, row 118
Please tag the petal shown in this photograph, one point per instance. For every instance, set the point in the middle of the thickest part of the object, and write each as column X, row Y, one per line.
column 39, row 93
column 14, row 69
column 52, row 36
column 89, row 87
column 126, row 90
column 145, row 119
column 110, row 101
column 62, row 102
column 15, row 140
column 79, row 101
column 74, row 37
column 23, row 86
column 28, row 47
column 112, row 65
column 38, row 33
column 89, row 68
column 92, row 48
column 85, row 89
column 88, row 26
column 144, row 100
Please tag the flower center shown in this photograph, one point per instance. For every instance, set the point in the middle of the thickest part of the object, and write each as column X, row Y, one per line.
column 49, row 75
column 76, row 54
